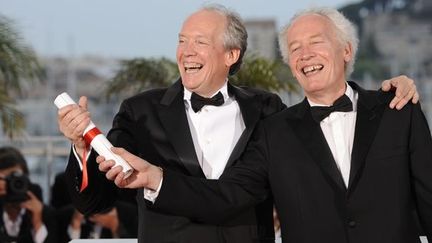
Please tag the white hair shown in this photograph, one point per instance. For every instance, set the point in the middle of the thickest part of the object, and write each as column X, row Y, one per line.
column 235, row 35
column 345, row 31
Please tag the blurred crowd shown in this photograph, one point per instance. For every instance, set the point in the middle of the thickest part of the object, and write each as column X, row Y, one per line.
column 25, row 218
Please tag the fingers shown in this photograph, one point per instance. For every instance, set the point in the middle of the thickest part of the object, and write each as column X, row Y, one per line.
column 31, row 195
column 104, row 165
column 406, row 90
column 135, row 162
column 119, row 180
column 386, row 85
column 73, row 119
column 123, row 153
column 33, row 204
column 403, row 85
column 83, row 102
column 399, row 103
column 416, row 97
column 113, row 173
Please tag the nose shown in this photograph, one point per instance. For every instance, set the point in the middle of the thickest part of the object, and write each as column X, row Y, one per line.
column 306, row 53
column 189, row 49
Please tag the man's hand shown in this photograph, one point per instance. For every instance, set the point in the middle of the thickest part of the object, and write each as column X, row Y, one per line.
column 145, row 174
column 405, row 91
column 76, row 220
column 72, row 120
column 35, row 207
column 107, row 220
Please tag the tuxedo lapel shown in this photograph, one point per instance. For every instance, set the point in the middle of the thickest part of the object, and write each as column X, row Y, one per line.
column 173, row 117
column 251, row 110
column 310, row 134
column 369, row 112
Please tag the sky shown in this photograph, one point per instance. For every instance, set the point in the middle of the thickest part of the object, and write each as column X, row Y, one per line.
column 128, row 28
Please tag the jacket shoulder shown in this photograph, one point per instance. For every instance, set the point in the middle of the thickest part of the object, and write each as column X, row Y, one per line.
column 146, row 96
column 257, row 91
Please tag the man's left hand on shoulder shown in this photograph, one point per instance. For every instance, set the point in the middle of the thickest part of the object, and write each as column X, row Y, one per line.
column 405, row 90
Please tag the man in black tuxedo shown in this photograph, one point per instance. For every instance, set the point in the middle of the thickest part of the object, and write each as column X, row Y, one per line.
column 341, row 165
column 170, row 128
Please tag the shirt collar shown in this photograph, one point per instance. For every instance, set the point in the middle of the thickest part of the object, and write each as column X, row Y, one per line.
column 348, row 92
column 224, row 90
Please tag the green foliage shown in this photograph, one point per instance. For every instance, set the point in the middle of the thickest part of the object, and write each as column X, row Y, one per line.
column 264, row 74
column 18, row 64
column 11, row 119
column 140, row 74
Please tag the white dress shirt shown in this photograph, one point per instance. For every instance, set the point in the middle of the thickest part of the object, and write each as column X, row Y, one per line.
column 13, row 227
column 338, row 129
column 95, row 233
column 215, row 131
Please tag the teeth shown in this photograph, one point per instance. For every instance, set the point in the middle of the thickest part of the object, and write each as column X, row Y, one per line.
column 192, row 66
column 312, row 68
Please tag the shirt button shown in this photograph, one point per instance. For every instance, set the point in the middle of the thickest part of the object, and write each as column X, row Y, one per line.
column 208, row 141
column 352, row 224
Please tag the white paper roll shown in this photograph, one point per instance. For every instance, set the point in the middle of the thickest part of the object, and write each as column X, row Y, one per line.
column 100, row 143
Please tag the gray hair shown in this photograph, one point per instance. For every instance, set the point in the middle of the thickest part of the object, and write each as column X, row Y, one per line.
column 345, row 31
column 235, row 36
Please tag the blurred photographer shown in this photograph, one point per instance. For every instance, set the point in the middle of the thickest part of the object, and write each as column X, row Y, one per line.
column 119, row 221
column 23, row 216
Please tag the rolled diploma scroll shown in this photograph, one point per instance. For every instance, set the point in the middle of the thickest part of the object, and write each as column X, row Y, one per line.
column 99, row 142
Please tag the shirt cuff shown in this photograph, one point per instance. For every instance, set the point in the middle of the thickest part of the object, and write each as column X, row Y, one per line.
column 41, row 234
column 78, row 157
column 151, row 195
column 73, row 234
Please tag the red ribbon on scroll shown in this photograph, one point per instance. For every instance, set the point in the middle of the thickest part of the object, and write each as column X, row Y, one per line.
column 88, row 138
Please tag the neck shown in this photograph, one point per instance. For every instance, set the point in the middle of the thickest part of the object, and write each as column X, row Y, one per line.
column 327, row 97
column 209, row 91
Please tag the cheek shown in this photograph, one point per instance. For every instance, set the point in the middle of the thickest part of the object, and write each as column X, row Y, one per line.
column 178, row 53
column 181, row 48
column 292, row 65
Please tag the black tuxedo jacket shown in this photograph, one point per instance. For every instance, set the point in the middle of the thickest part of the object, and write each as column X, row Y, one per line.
column 390, row 178
column 154, row 126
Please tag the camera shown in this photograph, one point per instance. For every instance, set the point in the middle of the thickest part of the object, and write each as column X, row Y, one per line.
column 17, row 185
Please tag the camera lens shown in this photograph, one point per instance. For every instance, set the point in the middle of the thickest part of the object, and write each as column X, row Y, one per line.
column 17, row 185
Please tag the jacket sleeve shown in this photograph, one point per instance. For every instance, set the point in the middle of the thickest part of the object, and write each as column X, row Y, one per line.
column 100, row 193
column 214, row 201
column 421, row 168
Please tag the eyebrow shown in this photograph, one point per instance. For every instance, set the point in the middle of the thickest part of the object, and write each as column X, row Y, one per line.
column 311, row 37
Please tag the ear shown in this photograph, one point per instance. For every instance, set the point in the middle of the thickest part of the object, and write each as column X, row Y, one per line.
column 232, row 57
column 348, row 54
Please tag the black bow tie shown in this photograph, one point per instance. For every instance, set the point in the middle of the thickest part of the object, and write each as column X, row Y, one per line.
column 198, row 101
column 343, row 104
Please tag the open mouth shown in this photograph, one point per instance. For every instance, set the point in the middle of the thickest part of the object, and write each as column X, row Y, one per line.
column 312, row 69
column 192, row 67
